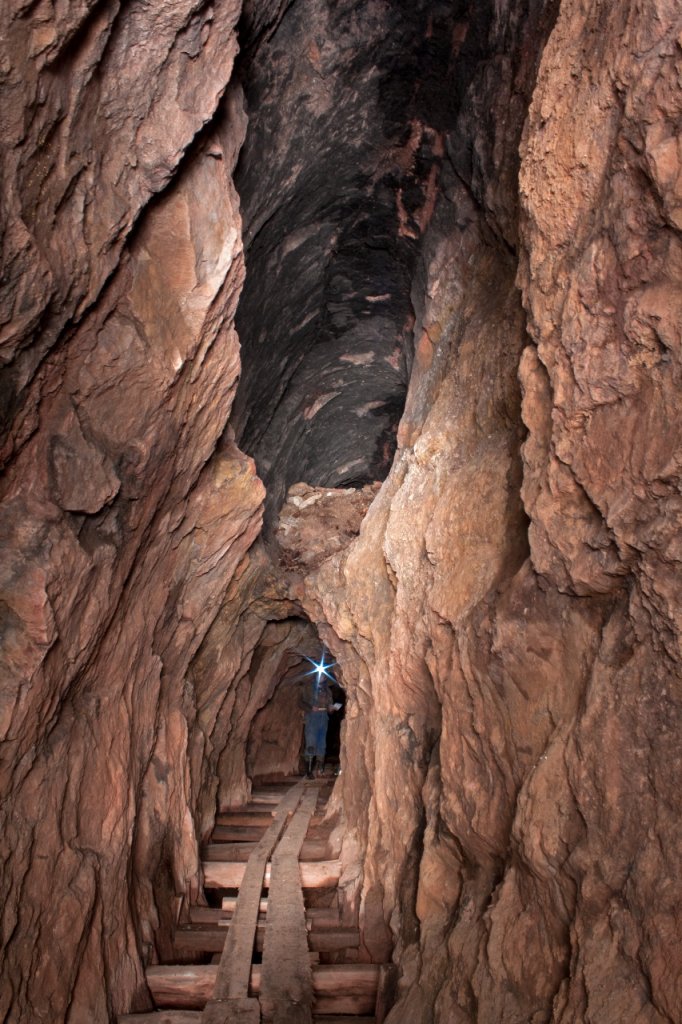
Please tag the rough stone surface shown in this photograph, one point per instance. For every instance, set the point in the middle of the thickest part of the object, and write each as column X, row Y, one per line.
column 335, row 201
column 124, row 515
column 317, row 522
column 517, row 720
column 469, row 210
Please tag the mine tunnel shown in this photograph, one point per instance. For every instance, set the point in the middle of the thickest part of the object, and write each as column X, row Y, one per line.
column 347, row 335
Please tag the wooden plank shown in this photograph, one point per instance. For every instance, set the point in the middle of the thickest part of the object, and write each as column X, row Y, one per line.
column 212, row 940
column 199, row 940
column 312, row 849
column 335, row 1019
column 207, row 915
column 228, row 851
column 231, row 1011
column 230, row 902
column 346, row 979
column 287, row 987
column 335, row 986
column 245, row 819
column 349, row 1006
column 386, row 991
column 235, row 964
column 343, row 1020
column 184, row 986
column 322, row 917
column 315, row 849
column 315, row 874
column 161, row 1017
column 236, row 834
column 332, row 940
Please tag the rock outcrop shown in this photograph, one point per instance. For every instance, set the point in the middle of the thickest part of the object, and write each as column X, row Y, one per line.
column 515, row 713
column 126, row 514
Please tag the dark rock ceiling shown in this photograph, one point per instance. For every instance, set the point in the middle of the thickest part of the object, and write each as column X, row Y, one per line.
column 347, row 107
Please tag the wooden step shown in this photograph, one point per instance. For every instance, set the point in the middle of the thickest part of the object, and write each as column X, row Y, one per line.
column 211, row 940
column 333, row 940
column 338, row 988
column 268, row 794
column 230, row 902
column 320, row 917
column 236, row 834
column 336, row 1019
column 315, row 874
column 312, row 849
column 244, row 819
column 162, row 1017
column 206, row 915
column 228, row 851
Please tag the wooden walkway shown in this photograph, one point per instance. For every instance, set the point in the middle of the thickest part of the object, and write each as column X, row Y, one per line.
column 269, row 945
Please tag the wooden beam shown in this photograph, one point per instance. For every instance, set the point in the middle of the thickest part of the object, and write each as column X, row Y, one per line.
column 319, row 917
column 230, row 903
column 212, row 940
column 234, row 970
column 187, row 986
column 343, row 1020
column 386, row 991
column 161, row 1017
column 315, row 874
column 286, row 995
column 231, row 1011
column 243, row 819
column 228, row 851
column 349, row 1006
column 335, row 986
column 237, row 834
column 206, row 915
column 312, row 849
column 332, row 940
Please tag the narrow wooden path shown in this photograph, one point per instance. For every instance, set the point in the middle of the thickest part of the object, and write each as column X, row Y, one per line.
column 269, row 945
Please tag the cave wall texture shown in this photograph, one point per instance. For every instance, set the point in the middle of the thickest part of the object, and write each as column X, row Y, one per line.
column 469, row 209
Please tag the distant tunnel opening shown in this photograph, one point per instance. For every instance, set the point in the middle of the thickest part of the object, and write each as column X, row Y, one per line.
column 278, row 743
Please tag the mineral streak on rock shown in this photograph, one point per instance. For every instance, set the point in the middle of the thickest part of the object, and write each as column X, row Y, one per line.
column 462, row 340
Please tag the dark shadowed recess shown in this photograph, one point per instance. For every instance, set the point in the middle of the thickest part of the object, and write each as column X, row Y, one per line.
column 349, row 105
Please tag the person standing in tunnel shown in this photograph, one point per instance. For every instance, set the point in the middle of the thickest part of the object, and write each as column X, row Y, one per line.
column 317, row 701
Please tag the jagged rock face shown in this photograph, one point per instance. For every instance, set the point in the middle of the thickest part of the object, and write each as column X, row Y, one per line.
column 505, row 615
column 517, row 719
column 124, row 517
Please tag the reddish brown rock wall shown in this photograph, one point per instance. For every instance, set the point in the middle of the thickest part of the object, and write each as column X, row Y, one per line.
column 125, row 518
column 507, row 620
column 517, row 721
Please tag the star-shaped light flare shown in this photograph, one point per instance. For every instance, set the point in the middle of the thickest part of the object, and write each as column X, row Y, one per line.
column 321, row 668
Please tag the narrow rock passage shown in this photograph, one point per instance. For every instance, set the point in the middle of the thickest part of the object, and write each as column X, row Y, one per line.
column 268, row 865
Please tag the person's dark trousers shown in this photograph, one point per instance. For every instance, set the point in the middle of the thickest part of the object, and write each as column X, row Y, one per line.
column 316, row 734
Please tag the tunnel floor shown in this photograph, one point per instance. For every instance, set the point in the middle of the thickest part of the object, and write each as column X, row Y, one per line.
column 270, row 942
